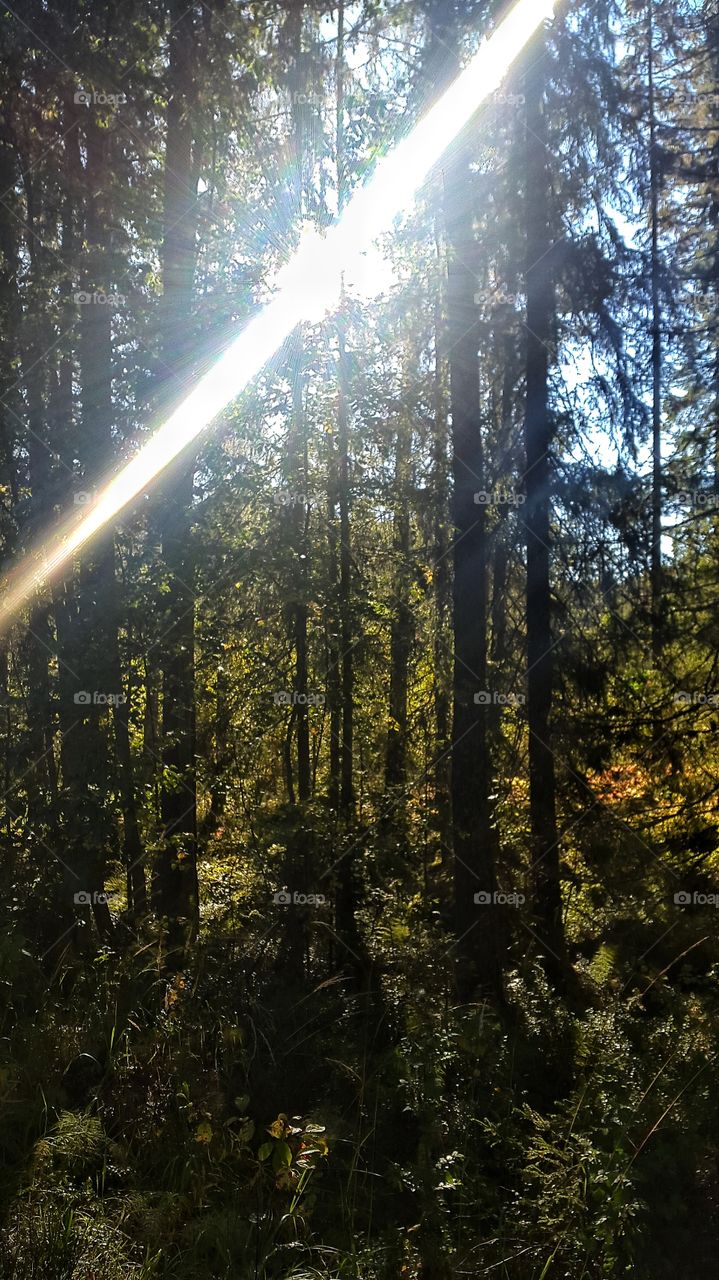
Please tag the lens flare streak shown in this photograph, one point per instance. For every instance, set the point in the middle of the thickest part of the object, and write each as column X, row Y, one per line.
column 307, row 287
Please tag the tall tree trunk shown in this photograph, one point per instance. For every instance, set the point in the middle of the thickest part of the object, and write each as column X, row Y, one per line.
column 347, row 795
column 476, row 923
column 334, row 653
column 98, row 583
column 300, row 558
column 297, row 445
column 37, row 751
column 99, row 586
column 346, row 905
column 297, row 868
column 500, row 567
column 401, row 630
column 712, row 44
column 476, row 920
column 441, row 575
column 538, row 438
column 177, row 863
column 10, row 416
column 96, row 376
column 38, row 646
column 654, row 179
column 85, row 819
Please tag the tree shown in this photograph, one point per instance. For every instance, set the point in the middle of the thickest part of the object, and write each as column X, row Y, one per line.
column 538, row 433
column 177, row 863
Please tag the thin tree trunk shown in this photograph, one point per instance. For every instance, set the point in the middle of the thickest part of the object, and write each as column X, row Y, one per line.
column 177, row 864
column 39, row 762
column 86, row 835
column 10, row 312
column 476, row 922
column 98, row 584
column 501, row 534
column 96, row 368
column 347, row 796
column 441, row 580
column 538, row 437
column 297, row 445
column 41, row 783
column 656, row 549
column 346, row 905
column 334, row 653
column 401, row 630
column 298, row 847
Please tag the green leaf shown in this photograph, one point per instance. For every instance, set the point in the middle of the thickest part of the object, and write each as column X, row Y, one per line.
column 281, row 1157
column 264, row 1151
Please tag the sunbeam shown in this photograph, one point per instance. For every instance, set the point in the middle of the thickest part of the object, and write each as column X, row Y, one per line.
column 306, row 288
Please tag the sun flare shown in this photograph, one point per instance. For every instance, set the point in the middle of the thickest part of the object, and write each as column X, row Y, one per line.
column 306, row 288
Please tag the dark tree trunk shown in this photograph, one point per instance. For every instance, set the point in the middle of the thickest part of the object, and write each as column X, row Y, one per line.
column 36, row 341
column 300, row 559
column 538, row 438
column 99, row 612
column 38, row 644
column 10, row 417
column 334, row 655
column 347, row 897
column 297, row 445
column 96, row 370
column 296, row 516
column 656, row 549
column 347, row 796
column 500, row 568
column 85, row 821
column 442, row 582
column 176, row 875
column 477, row 926
column 401, row 630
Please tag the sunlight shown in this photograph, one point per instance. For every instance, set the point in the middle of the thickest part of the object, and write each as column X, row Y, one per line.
column 308, row 286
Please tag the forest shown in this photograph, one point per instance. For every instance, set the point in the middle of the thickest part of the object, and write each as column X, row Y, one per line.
column 359, row 803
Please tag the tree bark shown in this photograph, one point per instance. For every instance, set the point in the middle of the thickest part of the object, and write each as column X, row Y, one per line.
column 441, row 577
column 401, row 629
column 657, row 639
column 297, row 445
column 176, row 876
column 538, row 438
column 346, row 905
column 476, row 924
